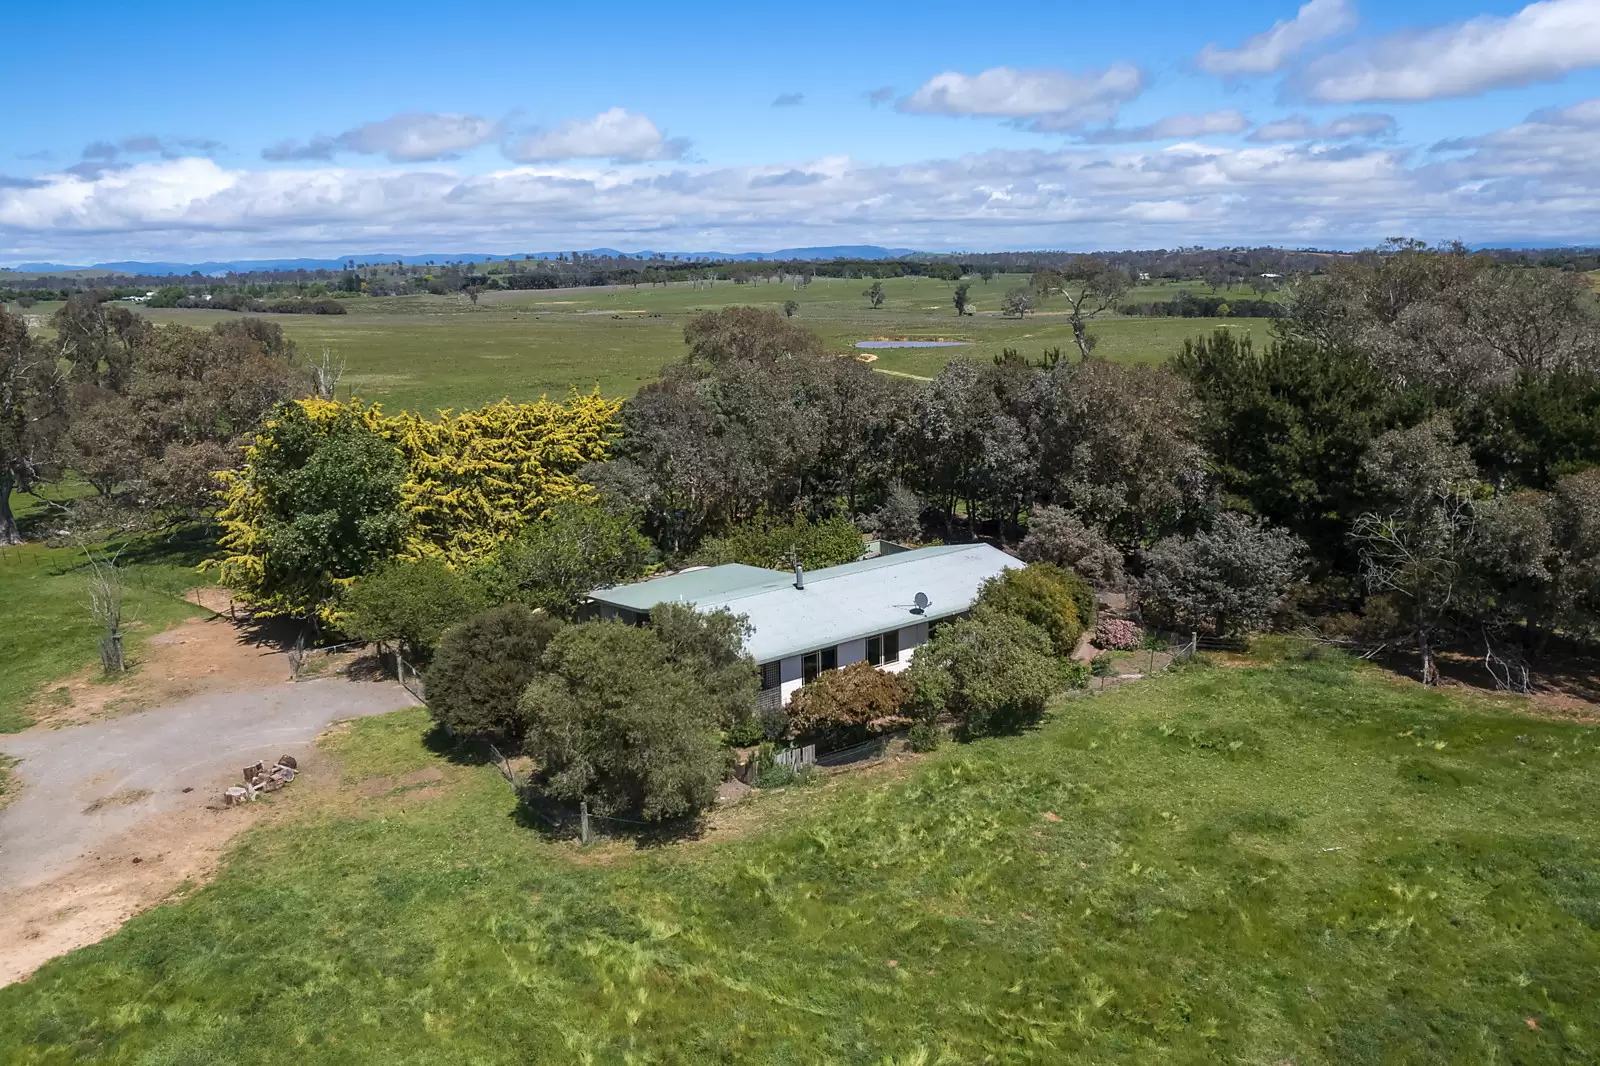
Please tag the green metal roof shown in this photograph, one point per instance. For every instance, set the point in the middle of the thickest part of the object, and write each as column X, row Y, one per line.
column 691, row 586
column 838, row 603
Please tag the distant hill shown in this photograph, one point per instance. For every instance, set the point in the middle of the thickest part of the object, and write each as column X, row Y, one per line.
column 245, row 266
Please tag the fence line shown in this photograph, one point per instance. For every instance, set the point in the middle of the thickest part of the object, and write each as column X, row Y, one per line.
column 503, row 764
column 796, row 758
column 876, row 748
column 300, row 655
column 410, row 677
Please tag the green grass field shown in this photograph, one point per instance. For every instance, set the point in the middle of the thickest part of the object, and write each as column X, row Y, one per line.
column 1309, row 862
column 428, row 352
column 48, row 632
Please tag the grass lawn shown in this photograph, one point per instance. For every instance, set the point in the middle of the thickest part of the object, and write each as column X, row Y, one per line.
column 48, row 633
column 1308, row 862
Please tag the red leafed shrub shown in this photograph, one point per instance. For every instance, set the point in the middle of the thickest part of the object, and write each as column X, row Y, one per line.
column 1117, row 634
column 843, row 706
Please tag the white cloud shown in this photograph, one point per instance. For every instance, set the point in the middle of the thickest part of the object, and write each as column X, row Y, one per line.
column 788, row 99
column 1542, row 42
column 1053, row 99
column 1538, row 179
column 1173, row 127
column 413, row 137
column 1266, row 53
column 1343, row 128
column 616, row 134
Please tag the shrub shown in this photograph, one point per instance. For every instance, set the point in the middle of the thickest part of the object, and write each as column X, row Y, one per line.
column 1056, row 535
column 993, row 671
column 1056, row 600
column 843, row 706
column 482, row 667
column 770, row 773
column 924, row 736
column 772, row 544
column 1227, row 580
column 1102, row 665
column 900, row 517
column 1117, row 634
column 572, row 549
column 612, row 719
column 409, row 603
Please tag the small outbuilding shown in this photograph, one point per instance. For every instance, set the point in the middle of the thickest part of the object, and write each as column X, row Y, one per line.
column 878, row 610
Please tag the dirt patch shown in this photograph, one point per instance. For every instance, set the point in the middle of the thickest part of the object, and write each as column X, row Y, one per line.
column 126, row 798
column 131, row 873
column 208, row 653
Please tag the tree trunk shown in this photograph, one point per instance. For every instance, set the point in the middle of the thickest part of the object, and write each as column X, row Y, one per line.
column 1430, row 672
column 8, row 523
column 1079, row 330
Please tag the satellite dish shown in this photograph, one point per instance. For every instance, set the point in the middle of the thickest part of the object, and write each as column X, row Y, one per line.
column 921, row 602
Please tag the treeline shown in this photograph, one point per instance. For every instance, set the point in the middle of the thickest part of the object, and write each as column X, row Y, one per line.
column 1189, row 305
column 239, row 301
column 145, row 416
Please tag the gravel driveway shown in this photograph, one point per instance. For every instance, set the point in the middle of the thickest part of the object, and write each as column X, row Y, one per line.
column 84, row 785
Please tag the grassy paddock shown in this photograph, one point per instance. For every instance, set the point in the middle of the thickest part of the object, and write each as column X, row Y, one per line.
column 48, row 633
column 429, row 352
column 1307, row 862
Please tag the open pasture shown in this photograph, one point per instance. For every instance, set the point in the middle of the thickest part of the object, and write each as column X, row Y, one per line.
column 1304, row 862
column 430, row 352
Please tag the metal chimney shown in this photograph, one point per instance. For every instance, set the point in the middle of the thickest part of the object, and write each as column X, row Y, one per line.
column 799, row 575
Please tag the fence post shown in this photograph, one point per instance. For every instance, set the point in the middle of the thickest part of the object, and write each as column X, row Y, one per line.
column 583, row 821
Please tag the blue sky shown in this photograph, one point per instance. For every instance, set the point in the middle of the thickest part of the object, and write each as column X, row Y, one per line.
column 162, row 132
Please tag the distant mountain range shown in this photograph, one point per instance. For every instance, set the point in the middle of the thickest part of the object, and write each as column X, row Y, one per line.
column 243, row 266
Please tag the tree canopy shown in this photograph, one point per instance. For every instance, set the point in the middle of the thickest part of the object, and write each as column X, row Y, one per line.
column 614, row 719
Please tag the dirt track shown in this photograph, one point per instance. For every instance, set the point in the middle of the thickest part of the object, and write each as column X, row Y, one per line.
column 96, row 796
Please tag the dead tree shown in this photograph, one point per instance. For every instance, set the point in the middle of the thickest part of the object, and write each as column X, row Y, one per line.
column 107, row 595
column 325, row 377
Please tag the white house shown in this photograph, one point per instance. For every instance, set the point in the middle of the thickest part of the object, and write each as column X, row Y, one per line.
column 878, row 610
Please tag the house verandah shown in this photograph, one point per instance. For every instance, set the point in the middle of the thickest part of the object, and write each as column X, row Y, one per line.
column 877, row 610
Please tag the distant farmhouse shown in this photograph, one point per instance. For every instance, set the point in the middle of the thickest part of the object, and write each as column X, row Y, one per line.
column 878, row 610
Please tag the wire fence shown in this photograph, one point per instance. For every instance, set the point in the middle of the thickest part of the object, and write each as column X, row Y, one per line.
column 27, row 556
column 308, row 664
column 866, row 751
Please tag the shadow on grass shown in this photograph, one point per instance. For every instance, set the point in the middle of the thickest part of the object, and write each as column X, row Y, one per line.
column 556, row 821
column 459, row 751
column 1566, row 668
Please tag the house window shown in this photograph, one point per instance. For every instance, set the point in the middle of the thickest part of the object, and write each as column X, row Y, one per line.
column 884, row 648
column 813, row 664
column 771, row 676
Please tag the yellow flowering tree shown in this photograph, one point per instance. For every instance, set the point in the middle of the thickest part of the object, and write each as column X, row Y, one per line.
column 478, row 477
column 314, row 506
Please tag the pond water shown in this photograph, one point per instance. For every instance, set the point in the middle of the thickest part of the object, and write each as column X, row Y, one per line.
column 910, row 344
